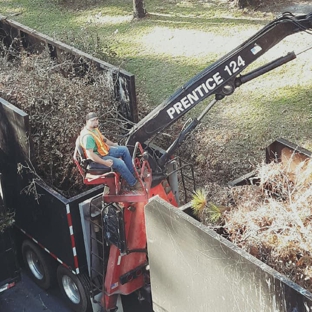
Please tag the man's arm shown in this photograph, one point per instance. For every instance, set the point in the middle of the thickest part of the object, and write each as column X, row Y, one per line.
column 96, row 158
column 108, row 142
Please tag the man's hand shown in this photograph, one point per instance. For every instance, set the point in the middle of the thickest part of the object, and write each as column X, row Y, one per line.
column 108, row 163
column 96, row 158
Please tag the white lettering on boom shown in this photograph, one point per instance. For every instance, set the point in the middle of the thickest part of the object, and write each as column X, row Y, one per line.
column 194, row 96
column 231, row 67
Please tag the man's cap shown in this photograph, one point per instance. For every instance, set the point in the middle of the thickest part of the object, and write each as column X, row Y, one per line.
column 91, row 115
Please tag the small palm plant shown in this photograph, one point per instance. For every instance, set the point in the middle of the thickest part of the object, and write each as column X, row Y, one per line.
column 214, row 212
column 200, row 205
column 199, row 201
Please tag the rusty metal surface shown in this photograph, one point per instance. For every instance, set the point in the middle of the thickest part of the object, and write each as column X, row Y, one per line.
column 286, row 152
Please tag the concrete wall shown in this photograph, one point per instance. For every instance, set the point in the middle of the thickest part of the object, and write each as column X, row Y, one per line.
column 195, row 269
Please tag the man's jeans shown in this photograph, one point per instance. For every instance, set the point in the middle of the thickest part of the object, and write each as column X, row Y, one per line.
column 123, row 166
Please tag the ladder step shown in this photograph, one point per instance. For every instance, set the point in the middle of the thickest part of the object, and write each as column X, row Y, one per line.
column 97, row 256
column 98, row 273
column 98, row 241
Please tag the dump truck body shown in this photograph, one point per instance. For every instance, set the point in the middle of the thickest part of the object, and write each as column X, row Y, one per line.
column 203, row 271
column 9, row 267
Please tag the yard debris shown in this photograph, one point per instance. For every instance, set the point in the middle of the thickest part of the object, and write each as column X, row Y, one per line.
column 57, row 98
column 6, row 220
column 270, row 219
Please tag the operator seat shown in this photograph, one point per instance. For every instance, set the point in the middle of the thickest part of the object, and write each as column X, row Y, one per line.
column 94, row 173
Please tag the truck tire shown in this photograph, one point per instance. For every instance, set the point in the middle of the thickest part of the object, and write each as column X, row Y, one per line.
column 40, row 265
column 75, row 289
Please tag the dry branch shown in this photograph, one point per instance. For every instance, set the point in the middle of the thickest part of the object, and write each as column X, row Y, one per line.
column 272, row 219
column 57, row 97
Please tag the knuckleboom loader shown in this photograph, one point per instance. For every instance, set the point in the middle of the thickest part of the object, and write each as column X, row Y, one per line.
column 96, row 241
column 123, row 214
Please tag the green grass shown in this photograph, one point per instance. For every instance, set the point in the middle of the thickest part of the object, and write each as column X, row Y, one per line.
column 172, row 44
column 158, row 73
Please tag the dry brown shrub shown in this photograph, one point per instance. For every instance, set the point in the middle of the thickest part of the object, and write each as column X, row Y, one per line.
column 57, row 97
column 272, row 219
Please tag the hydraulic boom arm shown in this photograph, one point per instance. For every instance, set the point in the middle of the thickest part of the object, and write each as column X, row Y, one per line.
column 220, row 78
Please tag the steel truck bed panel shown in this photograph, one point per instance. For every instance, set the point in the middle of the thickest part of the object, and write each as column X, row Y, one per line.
column 14, row 126
column 195, row 269
column 284, row 151
column 54, row 222
column 280, row 150
column 9, row 269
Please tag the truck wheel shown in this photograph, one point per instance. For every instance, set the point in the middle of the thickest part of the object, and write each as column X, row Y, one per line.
column 40, row 265
column 75, row 289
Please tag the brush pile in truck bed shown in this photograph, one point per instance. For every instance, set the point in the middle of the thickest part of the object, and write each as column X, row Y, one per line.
column 271, row 218
column 57, row 97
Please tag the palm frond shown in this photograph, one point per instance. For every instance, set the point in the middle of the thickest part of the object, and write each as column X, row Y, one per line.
column 199, row 201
